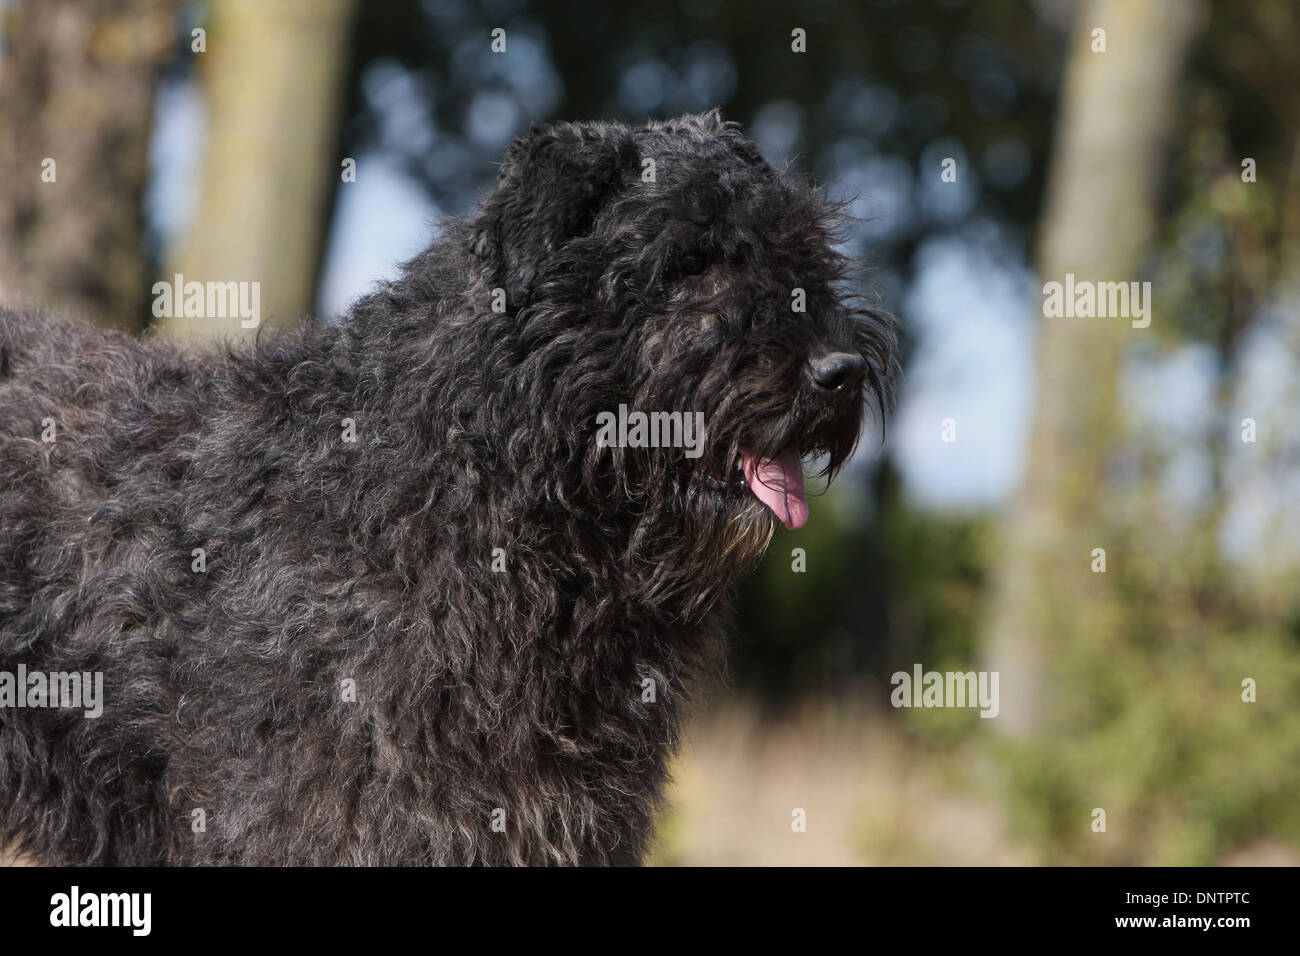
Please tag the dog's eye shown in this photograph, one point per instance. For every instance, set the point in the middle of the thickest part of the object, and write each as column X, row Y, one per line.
column 691, row 263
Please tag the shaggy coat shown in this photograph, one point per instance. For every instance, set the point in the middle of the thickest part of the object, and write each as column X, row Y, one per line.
column 373, row 592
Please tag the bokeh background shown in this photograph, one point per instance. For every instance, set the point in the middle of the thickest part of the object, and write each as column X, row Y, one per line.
column 1171, row 156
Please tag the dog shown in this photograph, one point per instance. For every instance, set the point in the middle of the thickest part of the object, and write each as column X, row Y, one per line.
column 397, row 590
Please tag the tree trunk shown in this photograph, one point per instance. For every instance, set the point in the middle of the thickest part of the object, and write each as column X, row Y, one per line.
column 272, row 76
column 76, row 87
column 1101, row 204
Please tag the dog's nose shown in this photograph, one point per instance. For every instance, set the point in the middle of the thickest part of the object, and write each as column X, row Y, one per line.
column 836, row 371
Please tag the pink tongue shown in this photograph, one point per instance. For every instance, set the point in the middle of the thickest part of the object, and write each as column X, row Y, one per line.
column 778, row 483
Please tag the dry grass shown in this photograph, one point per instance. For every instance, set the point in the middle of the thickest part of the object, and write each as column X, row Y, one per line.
column 10, row 857
column 869, row 796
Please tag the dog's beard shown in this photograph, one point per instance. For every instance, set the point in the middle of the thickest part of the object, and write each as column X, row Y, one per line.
column 725, row 536
column 744, row 537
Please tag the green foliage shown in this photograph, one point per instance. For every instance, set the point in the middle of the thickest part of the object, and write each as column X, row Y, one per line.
column 937, row 575
column 1149, row 724
column 1146, row 717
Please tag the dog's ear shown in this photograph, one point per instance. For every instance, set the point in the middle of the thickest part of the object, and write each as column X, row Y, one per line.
column 554, row 181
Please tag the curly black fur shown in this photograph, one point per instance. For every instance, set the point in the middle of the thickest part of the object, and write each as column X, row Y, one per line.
column 477, row 690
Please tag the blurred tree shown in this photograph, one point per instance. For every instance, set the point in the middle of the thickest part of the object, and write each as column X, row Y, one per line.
column 272, row 75
column 1228, row 245
column 77, row 85
column 881, row 81
column 1101, row 209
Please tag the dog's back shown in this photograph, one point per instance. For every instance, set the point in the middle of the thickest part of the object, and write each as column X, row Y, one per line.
column 70, row 398
column 120, row 461
column 69, row 394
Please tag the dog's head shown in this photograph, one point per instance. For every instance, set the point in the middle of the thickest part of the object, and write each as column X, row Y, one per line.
column 667, row 271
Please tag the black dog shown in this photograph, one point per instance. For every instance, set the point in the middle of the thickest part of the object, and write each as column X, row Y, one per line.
column 382, row 592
